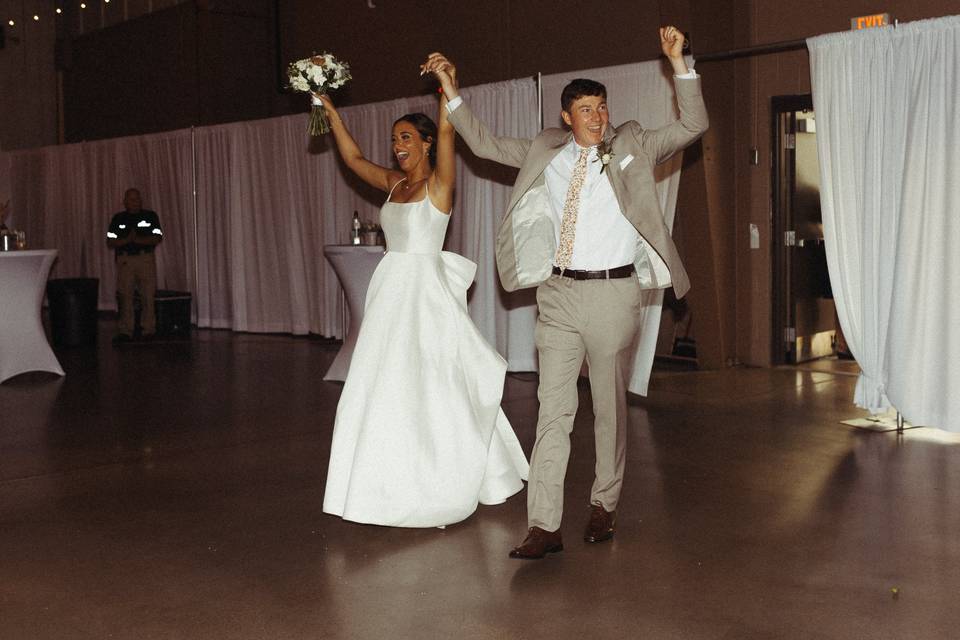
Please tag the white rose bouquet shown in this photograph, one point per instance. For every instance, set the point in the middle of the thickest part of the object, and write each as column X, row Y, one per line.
column 318, row 74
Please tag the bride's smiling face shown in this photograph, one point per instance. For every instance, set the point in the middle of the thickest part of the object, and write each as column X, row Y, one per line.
column 408, row 147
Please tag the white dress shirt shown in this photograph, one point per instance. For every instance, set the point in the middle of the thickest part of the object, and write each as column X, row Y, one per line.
column 604, row 238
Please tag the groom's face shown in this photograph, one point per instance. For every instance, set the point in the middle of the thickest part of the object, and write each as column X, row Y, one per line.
column 588, row 119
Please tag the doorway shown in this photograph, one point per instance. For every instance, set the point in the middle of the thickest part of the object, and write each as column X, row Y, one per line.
column 805, row 321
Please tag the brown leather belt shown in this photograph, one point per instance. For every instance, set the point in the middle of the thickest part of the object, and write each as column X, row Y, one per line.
column 604, row 274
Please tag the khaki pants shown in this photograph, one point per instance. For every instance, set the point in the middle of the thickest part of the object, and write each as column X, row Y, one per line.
column 137, row 272
column 599, row 319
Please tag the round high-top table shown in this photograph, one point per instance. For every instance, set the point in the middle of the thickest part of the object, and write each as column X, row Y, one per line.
column 23, row 343
column 354, row 265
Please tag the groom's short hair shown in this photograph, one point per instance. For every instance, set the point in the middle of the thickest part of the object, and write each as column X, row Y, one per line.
column 577, row 89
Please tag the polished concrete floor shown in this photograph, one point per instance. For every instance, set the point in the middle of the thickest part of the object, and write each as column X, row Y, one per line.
column 174, row 491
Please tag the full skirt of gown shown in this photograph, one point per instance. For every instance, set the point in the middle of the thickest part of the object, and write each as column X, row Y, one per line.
column 420, row 438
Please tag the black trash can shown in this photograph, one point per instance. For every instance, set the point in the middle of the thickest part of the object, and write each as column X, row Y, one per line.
column 73, row 311
column 173, row 313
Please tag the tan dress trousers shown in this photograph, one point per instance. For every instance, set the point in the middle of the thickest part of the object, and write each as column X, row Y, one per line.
column 598, row 319
column 137, row 272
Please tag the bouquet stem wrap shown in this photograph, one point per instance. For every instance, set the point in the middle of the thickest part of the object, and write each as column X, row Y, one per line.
column 319, row 123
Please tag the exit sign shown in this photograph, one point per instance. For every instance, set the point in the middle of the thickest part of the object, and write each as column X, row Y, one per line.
column 867, row 22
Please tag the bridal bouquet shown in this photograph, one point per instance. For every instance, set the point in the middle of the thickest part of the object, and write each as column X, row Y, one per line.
column 318, row 74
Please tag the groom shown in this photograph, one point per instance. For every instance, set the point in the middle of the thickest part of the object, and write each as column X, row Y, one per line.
column 584, row 226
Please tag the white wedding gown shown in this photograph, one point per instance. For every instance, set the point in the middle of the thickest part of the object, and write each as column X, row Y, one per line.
column 420, row 438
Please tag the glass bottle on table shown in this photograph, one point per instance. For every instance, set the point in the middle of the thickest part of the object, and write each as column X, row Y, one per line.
column 355, row 233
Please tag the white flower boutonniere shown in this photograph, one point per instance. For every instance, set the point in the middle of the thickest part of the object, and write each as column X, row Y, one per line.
column 604, row 153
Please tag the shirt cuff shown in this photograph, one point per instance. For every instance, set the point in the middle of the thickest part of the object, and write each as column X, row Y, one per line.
column 453, row 104
column 691, row 74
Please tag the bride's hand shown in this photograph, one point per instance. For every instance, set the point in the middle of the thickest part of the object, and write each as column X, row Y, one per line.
column 325, row 99
column 333, row 116
column 444, row 70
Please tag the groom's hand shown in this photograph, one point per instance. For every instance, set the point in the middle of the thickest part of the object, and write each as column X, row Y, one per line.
column 671, row 43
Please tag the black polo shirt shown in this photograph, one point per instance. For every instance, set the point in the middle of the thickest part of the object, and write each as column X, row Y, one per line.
column 145, row 223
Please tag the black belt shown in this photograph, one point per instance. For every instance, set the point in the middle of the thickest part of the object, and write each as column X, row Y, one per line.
column 604, row 274
column 133, row 251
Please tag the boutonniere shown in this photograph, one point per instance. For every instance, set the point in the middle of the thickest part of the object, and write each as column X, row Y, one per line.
column 604, row 153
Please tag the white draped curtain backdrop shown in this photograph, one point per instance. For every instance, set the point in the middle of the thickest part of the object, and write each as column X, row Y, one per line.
column 888, row 134
column 247, row 207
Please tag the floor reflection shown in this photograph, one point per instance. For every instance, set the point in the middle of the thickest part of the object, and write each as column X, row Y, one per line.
column 175, row 490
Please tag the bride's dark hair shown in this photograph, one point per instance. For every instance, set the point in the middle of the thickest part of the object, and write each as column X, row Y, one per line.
column 427, row 129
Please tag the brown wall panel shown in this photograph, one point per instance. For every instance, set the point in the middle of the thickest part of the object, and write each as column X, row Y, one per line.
column 235, row 68
column 28, row 81
column 551, row 37
column 712, row 254
column 138, row 77
column 192, row 64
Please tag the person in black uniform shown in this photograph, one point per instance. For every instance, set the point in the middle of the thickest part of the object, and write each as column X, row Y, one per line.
column 133, row 235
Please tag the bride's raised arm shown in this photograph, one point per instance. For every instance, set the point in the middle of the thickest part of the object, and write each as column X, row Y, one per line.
column 373, row 174
column 445, row 172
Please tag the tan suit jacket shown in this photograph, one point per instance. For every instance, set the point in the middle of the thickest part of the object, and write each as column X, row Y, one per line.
column 526, row 240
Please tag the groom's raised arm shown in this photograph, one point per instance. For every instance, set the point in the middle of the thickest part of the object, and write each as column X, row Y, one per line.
column 664, row 142
column 483, row 143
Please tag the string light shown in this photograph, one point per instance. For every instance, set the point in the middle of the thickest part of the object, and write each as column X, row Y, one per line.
column 58, row 10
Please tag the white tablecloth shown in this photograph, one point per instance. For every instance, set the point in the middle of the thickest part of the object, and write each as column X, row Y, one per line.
column 354, row 265
column 23, row 343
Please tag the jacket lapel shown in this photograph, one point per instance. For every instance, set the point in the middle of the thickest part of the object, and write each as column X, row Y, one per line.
column 614, row 165
column 613, row 171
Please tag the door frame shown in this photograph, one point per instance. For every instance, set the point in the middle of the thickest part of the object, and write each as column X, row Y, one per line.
column 782, row 187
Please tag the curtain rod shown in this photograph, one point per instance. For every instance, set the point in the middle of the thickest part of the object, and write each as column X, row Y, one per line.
column 718, row 56
column 758, row 50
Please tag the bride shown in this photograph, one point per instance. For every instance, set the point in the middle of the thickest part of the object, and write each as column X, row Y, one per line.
column 419, row 438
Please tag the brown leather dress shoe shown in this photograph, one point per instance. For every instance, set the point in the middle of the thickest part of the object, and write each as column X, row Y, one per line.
column 537, row 544
column 601, row 524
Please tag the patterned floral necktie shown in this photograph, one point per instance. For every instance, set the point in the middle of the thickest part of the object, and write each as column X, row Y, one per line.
column 568, row 224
